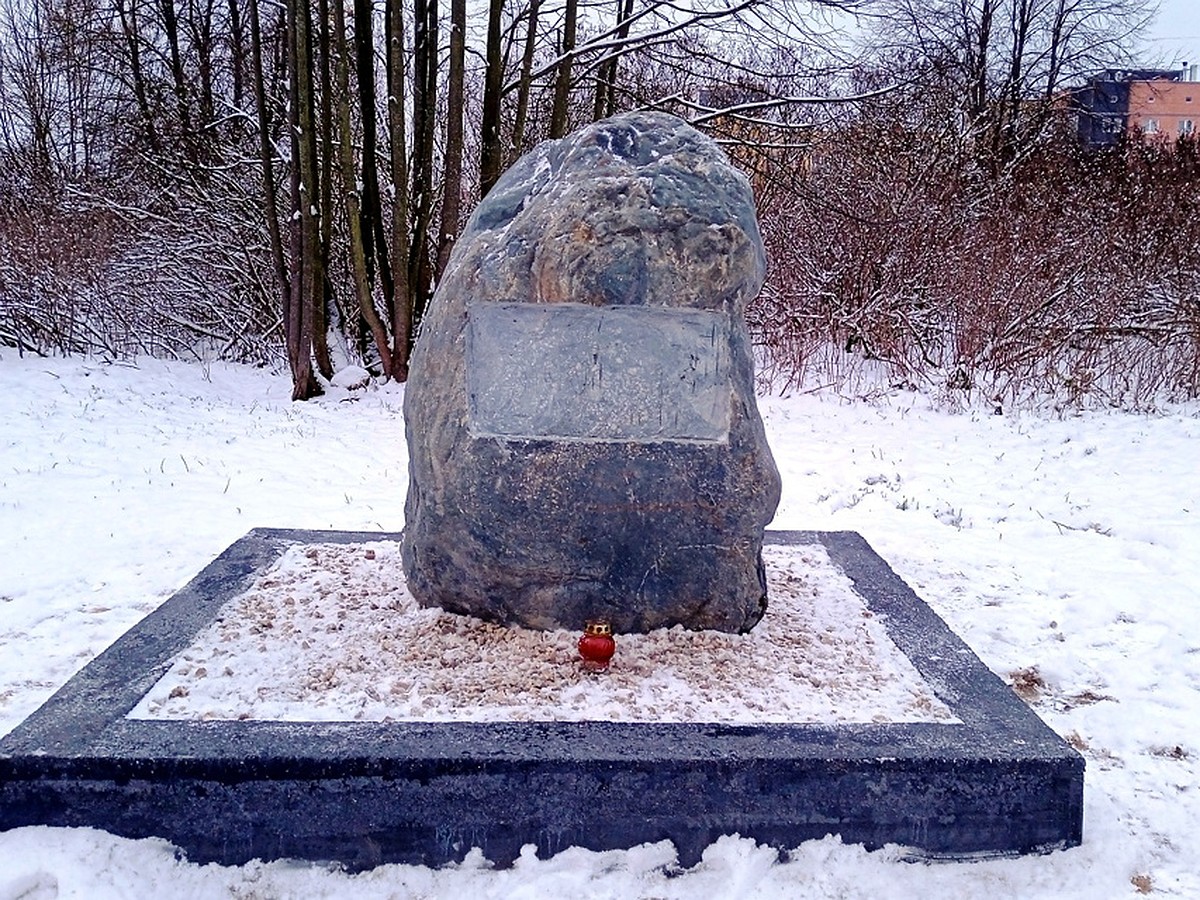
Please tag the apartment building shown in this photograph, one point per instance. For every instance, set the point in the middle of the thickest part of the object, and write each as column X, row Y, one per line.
column 1162, row 104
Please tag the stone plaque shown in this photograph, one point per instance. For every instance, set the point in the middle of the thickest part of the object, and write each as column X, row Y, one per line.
column 577, row 372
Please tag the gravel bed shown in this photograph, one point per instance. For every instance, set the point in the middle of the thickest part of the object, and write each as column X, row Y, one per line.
column 331, row 633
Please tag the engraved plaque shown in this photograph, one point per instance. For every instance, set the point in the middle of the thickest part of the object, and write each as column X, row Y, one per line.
column 573, row 372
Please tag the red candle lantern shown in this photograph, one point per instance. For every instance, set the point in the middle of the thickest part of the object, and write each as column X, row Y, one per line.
column 597, row 646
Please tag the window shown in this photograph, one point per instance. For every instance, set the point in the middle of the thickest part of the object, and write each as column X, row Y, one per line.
column 1186, row 127
column 1150, row 126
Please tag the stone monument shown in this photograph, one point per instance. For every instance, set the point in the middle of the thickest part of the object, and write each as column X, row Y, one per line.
column 582, row 430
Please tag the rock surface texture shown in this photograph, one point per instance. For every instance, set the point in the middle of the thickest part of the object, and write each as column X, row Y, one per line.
column 583, row 436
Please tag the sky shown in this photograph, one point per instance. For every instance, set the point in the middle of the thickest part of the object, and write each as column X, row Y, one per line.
column 1174, row 35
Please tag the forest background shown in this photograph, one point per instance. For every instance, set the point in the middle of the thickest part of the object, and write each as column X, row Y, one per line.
column 282, row 181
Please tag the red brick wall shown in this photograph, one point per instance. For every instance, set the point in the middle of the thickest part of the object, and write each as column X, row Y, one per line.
column 1164, row 110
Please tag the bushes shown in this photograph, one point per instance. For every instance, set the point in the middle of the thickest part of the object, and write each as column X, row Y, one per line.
column 83, row 276
column 1072, row 274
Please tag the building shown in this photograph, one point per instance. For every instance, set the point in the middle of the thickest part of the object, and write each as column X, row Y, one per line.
column 1162, row 104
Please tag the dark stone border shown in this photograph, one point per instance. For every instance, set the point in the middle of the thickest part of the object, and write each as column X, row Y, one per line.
column 1000, row 783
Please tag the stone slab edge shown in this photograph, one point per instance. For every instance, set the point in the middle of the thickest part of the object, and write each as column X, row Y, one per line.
column 1000, row 783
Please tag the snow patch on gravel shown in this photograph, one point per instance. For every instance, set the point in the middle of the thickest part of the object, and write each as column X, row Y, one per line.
column 331, row 633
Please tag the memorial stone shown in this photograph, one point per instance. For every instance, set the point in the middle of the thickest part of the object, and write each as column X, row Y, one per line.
column 583, row 436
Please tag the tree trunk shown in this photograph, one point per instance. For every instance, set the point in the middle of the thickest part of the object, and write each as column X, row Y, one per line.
column 357, row 243
column 493, row 78
column 199, row 21
column 401, row 311
column 178, row 80
column 132, row 34
column 525, row 84
column 1022, row 13
column 562, row 84
column 606, row 79
column 980, row 61
column 266, row 161
column 323, row 287
column 305, row 238
column 237, row 50
column 424, row 106
column 372, row 207
column 453, row 166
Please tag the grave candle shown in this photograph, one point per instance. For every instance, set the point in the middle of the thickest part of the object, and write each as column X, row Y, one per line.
column 597, row 646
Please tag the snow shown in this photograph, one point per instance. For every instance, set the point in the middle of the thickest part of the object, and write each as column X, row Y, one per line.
column 1061, row 547
column 330, row 632
column 351, row 378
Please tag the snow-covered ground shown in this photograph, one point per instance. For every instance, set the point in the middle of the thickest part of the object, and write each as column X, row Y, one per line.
column 1064, row 549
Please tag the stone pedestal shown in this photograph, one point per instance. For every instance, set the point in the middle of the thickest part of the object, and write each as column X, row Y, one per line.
column 996, row 783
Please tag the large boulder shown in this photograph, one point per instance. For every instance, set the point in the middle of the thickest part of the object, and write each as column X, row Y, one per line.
column 583, row 436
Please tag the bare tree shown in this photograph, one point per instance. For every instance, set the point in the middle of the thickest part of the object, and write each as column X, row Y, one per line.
column 994, row 67
column 562, row 82
column 452, row 187
column 307, row 286
column 491, row 148
column 403, row 323
column 146, row 112
column 357, row 241
column 421, row 191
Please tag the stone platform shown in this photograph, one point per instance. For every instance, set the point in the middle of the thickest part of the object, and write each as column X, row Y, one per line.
column 1000, row 783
